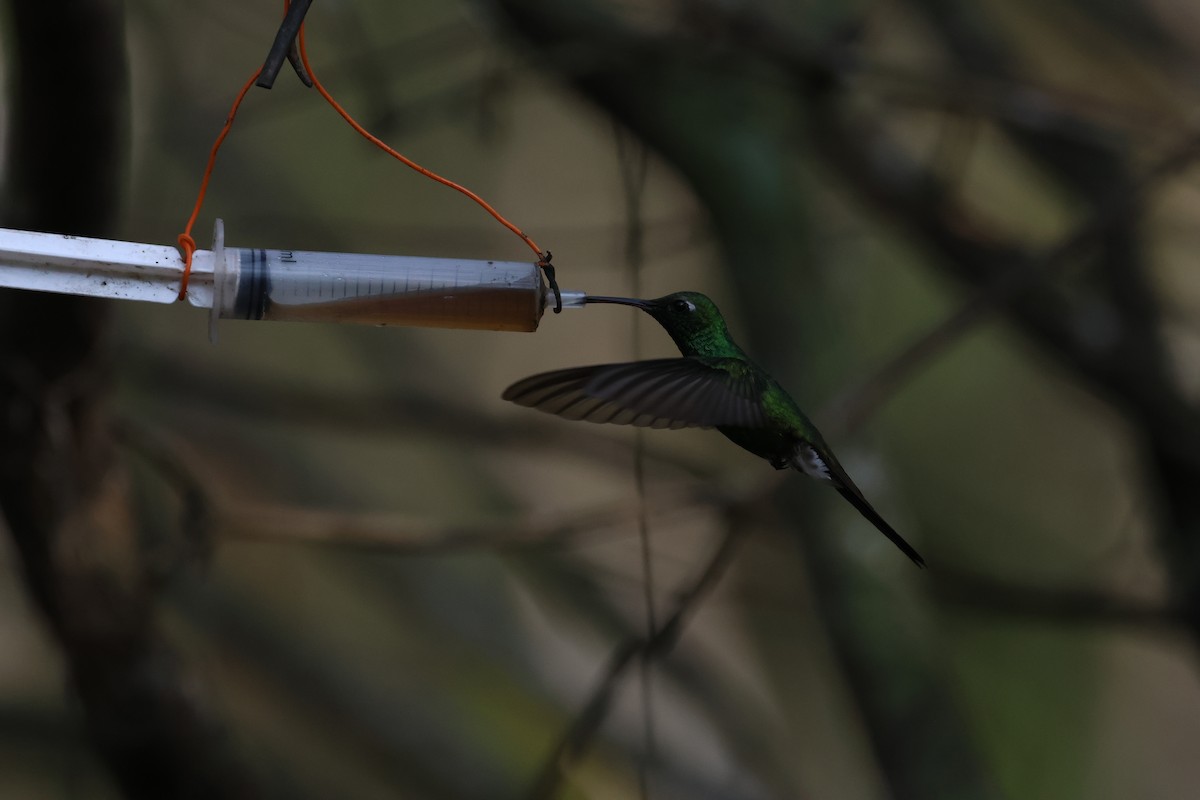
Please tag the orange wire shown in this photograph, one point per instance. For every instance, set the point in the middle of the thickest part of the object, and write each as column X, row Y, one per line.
column 375, row 140
column 186, row 242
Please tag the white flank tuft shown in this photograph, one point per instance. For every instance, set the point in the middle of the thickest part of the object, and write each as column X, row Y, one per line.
column 809, row 461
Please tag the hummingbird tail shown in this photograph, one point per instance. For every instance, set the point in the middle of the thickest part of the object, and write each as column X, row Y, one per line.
column 858, row 501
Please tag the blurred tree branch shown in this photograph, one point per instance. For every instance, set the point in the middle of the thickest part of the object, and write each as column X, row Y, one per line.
column 721, row 98
column 727, row 139
column 1127, row 363
column 857, row 404
column 402, row 411
column 637, row 649
column 63, row 493
column 707, row 100
column 208, row 520
column 1055, row 605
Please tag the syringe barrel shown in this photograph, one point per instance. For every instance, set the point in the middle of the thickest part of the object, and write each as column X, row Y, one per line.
column 379, row 290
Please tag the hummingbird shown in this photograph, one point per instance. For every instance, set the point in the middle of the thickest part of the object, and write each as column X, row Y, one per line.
column 714, row 385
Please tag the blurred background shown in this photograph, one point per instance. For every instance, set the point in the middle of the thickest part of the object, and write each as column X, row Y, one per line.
column 329, row 561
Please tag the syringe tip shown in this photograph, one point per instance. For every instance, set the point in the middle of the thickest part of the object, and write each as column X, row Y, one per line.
column 574, row 299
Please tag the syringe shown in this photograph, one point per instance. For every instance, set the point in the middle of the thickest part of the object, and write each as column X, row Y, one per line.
column 244, row 283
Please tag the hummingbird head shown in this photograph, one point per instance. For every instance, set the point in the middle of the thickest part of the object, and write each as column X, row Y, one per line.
column 692, row 320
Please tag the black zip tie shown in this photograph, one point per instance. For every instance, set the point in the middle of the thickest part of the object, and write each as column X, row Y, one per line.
column 548, row 268
column 286, row 46
column 297, row 62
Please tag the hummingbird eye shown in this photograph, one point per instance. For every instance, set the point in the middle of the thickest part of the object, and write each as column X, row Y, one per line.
column 684, row 305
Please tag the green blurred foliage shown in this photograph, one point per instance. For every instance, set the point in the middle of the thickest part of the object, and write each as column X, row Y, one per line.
column 364, row 673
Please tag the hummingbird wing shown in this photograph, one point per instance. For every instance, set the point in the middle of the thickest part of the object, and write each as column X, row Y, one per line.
column 660, row 393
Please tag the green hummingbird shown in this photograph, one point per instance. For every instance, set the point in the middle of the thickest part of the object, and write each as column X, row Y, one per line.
column 714, row 385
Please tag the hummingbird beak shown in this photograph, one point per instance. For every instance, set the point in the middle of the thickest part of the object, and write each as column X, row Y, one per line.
column 621, row 301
